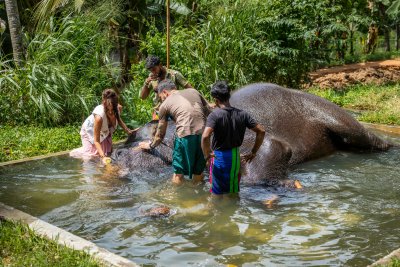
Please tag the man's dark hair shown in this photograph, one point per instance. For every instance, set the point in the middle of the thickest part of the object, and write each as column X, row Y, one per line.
column 152, row 61
column 166, row 84
column 221, row 91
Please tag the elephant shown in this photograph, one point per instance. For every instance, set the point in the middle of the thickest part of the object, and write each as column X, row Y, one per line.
column 299, row 127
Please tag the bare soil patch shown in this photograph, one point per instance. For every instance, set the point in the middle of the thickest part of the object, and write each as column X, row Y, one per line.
column 377, row 73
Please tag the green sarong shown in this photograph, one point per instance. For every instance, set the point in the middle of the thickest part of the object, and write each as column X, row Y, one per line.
column 188, row 157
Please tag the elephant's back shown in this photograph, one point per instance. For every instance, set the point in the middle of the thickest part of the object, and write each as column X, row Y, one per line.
column 261, row 100
column 269, row 102
column 296, row 117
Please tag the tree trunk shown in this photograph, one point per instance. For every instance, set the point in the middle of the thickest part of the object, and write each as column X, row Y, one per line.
column 351, row 43
column 385, row 24
column 124, row 63
column 15, row 30
column 397, row 37
column 387, row 39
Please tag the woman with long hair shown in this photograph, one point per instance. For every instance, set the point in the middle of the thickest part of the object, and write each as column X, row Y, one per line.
column 96, row 132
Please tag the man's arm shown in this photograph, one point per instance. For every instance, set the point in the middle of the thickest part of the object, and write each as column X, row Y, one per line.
column 206, row 144
column 181, row 80
column 260, row 133
column 206, row 105
column 144, row 93
column 161, row 130
column 159, row 136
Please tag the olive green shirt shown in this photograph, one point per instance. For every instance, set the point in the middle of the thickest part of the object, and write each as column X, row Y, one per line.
column 172, row 75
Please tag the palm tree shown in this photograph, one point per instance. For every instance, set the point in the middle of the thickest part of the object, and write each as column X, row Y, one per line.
column 46, row 8
column 14, row 25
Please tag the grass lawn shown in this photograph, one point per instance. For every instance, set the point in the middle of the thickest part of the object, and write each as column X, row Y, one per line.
column 379, row 104
column 20, row 246
column 17, row 142
column 394, row 263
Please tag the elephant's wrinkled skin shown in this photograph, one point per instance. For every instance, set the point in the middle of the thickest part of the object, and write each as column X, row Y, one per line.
column 299, row 127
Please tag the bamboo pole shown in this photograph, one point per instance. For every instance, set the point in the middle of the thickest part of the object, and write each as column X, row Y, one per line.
column 168, row 26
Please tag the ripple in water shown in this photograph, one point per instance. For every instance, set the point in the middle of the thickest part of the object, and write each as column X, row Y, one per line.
column 347, row 214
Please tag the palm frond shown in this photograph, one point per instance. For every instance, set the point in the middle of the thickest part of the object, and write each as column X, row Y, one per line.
column 394, row 8
column 157, row 5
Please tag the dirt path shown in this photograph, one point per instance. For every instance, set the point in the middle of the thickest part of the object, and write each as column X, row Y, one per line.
column 377, row 72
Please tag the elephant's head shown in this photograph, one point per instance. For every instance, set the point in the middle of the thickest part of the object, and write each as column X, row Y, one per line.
column 132, row 157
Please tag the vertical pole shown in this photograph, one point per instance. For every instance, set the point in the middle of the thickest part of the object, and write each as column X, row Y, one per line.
column 168, row 26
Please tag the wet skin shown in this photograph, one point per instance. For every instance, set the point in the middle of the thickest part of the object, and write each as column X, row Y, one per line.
column 299, row 127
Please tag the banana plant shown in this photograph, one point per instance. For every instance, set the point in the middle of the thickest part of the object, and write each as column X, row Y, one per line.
column 47, row 8
column 394, row 8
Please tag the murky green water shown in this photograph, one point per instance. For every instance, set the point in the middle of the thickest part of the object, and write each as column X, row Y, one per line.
column 348, row 213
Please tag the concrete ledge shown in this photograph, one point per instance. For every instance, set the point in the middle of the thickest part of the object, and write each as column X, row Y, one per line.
column 12, row 162
column 61, row 153
column 387, row 259
column 65, row 238
column 382, row 127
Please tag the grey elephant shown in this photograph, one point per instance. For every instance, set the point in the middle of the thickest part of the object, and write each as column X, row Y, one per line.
column 300, row 127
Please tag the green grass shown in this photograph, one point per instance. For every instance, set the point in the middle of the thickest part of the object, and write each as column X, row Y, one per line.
column 378, row 104
column 20, row 246
column 395, row 262
column 17, row 142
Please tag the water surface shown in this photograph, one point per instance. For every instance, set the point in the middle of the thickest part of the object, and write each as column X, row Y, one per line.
column 348, row 213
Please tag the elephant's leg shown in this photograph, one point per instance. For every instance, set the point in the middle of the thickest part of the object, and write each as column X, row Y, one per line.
column 270, row 164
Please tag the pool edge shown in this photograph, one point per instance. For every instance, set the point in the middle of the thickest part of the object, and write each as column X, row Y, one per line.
column 60, row 153
column 394, row 129
column 64, row 237
column 387, row 259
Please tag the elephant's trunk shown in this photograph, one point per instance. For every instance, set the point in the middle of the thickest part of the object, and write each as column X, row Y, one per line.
column 377, row 144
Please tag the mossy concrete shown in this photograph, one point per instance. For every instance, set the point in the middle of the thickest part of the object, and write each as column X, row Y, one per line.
column 65, row 238
column 387, row 259
column 61, row 153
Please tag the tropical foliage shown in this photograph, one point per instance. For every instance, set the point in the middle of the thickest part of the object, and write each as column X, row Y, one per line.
column 74, row 49
column 66, row 68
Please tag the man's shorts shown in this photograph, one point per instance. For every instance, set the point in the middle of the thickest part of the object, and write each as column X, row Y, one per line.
column 225, row 171
column 188, row 157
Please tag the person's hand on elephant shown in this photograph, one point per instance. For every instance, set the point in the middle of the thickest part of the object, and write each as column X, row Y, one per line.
column 248, row 157
column 145, row 145
column 130, row 131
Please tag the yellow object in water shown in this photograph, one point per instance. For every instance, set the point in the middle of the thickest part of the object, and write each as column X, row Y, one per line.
column 271, row 201
column 231, row 265
column 297, row 184
column 106, row 160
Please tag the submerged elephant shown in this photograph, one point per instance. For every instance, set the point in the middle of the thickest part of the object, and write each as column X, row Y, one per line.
column 299, row 127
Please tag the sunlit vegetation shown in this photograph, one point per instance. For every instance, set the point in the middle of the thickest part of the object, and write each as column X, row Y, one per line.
column 20, row 246
column 377, row 104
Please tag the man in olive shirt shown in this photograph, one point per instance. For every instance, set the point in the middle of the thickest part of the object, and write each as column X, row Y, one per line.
column 189, row 110
column 158, row 73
